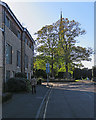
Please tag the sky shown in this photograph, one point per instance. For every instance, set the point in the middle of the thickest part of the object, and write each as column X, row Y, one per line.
column 35, row 15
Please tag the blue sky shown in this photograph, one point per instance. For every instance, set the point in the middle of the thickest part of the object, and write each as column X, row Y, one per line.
column 35, row 15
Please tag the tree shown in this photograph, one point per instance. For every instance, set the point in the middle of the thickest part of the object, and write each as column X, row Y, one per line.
column 72, row 55
column 56, row 44
column 47, row 41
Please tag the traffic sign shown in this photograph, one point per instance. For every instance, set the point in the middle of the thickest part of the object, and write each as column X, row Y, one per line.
column 47, row 68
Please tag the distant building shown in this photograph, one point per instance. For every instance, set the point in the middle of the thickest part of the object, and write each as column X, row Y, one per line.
column 16, row 46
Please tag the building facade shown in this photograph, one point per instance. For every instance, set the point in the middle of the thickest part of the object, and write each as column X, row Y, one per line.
column 16, row 46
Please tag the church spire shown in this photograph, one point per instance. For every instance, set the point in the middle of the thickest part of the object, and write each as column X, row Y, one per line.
column 61, row 14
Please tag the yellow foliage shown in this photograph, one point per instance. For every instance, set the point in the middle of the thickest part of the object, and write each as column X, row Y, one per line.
column 62, row 31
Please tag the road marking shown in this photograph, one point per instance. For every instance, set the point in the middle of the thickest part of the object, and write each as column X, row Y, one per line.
column 46, row 105
column 38, row 112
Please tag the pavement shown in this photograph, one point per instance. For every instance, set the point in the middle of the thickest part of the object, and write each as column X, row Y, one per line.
column 25, row 105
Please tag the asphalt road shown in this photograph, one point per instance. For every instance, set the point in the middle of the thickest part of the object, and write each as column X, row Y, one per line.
column 64, row 100
column 70, row 100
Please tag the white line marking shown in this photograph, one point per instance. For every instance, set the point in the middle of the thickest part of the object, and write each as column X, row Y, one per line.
column 46, row 105
column 38, row 112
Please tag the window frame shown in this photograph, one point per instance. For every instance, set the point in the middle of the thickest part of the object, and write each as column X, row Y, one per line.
column 10, row 59
column 7, row 23
column 18, row 34
column 18, row 62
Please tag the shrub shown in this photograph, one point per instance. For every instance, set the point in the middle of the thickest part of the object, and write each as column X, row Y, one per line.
column 61, row 75
column 41, row 73
column 28, row 85
column 20, row 75
column 6, row 97
column 16, row 85
column 39, row 81
column 77, row 73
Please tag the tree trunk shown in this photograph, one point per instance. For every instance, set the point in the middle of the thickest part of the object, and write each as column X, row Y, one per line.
column 52, row 70
column 66, row 71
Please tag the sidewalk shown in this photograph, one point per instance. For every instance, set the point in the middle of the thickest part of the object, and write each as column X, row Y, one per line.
column 90, row 82
column 24, row 105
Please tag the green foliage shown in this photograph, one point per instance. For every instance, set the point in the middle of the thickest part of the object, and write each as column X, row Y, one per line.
column 56, row 44
column 82, row 73
column 40, row 73
column 39, row 81
column 63, row 75
column 39, row 63
column 20, row 75
column 28, row 85
column 17, row 85
column 77, row 80
column 77, row 74
column 47, row 39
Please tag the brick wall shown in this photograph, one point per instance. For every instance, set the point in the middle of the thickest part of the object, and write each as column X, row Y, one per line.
column 12, row 40
column 29, row 53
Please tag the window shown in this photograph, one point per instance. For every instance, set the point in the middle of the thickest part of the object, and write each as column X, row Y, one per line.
column 26, row 61
column 8, row 54
column 18, row 59
column 18, row 34
column 13, row 28
column 7, row 74
column 31, row 64
column 26, row 40
column 29, row 43
column 7, row 22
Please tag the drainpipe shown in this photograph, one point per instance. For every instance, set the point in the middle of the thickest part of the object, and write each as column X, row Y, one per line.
column 4, row 52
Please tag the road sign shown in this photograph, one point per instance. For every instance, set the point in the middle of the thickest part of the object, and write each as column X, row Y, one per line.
column 47, row 71
column 47, row 68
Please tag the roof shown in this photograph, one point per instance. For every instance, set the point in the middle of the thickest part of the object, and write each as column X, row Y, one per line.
column 16, row 20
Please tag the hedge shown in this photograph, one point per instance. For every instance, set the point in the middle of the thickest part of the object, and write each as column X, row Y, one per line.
column 17, row 85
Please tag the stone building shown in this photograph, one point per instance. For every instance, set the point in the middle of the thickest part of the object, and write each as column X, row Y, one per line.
column 16, row 46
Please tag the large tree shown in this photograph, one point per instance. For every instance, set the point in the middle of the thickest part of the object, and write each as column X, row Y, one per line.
column 56, row 44
column 68, row 31
column 47, row 42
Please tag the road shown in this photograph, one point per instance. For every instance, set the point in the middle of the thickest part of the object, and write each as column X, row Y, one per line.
column 70, row 100
column 64, row 100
